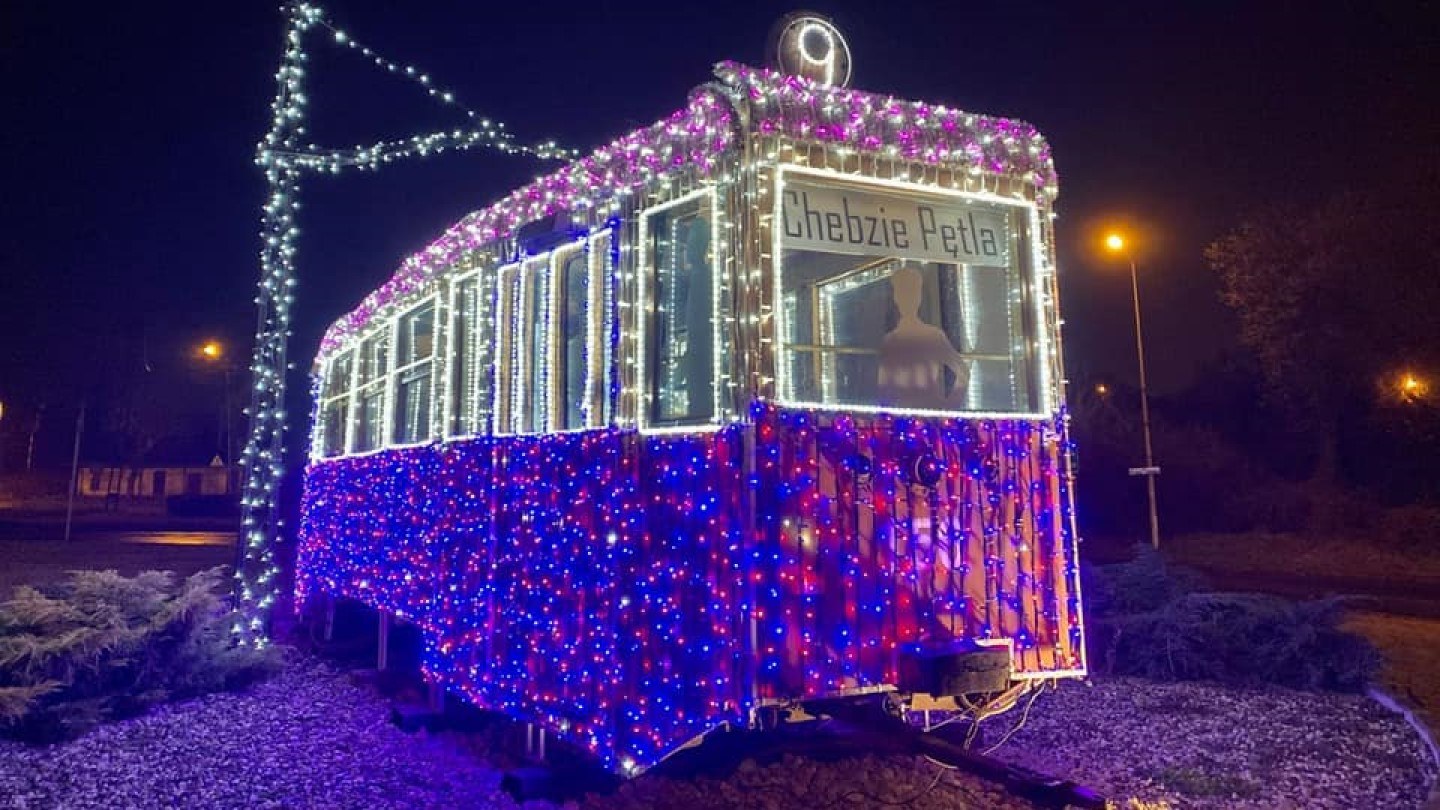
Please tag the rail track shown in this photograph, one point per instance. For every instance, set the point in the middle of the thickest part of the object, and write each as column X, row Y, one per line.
column 839, row 730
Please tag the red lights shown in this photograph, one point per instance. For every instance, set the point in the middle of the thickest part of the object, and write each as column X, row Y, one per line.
column 604, row 584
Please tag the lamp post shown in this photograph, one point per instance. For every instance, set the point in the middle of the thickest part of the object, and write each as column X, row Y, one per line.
column 213, row 352
column 1115, row 243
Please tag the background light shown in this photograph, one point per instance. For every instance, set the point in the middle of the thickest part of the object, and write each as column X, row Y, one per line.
column 1412, row 387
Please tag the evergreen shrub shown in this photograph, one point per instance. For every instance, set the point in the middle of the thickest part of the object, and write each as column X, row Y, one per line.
column 1155, row 621
column 100, row 646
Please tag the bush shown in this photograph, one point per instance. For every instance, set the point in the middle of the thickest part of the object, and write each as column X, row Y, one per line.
column 1154, row 620
column 1246, row 639
column 1144, row 583
column 101, row 646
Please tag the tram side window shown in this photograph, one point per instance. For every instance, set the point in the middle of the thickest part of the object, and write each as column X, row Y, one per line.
column 464, row 379
column 600, row 357
column 571, row 318
column 413, row 364
column 374, row 372
column 681, row 341
column 507, row 282
column 530, row 379
column 335, row 405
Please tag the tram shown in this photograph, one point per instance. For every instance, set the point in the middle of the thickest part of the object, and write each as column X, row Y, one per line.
column 757, row 405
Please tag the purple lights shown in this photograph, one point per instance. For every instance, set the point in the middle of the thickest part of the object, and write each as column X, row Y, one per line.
column 694, row 136
column 630, row 592
column 698, row 136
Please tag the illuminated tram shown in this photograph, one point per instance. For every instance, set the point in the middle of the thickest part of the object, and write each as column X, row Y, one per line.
column 756, row 405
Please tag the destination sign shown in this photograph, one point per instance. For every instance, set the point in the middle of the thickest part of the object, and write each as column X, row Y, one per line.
column 842, row 220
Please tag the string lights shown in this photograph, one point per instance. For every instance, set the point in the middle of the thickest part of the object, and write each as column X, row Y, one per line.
column 631, row 585
column 285, row 157
column 698, row 136
column 618, row 606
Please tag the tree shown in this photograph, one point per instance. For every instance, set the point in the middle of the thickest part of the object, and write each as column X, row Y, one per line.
column 1332, row 299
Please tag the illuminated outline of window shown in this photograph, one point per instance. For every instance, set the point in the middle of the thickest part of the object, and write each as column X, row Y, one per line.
column 371, row 406
column 465, row 407
column 1036, row 345
column 591, row 325
column 647, row 313
column 533, row 367
column 344, row 364
column 420, row 368
column 600, row 354
column 504, row 358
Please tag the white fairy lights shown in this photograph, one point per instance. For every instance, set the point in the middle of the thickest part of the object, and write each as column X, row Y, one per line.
column 286, row 157
column 688, row 153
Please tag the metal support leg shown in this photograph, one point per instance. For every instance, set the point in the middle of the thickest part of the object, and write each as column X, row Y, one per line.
column 382, row 655
column 329, row 634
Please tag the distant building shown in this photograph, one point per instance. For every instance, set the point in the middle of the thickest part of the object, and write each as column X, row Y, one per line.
column 169, row 469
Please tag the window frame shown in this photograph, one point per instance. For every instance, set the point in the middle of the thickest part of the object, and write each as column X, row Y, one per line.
column 596, row 316
column 647, row 313
column 515, row 283
column 505, row 352
column 457, row 423
column 396, row 324
column 601, row 247
column 321, row 437
column 1037, row 345
column 534, row 321
column 386, row 329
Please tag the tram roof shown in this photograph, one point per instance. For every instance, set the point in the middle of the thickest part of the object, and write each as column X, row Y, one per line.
column 696, row 137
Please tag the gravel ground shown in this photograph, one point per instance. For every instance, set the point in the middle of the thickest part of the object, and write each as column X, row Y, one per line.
column 305, row 739
column 1197, row 745
column 310, row 738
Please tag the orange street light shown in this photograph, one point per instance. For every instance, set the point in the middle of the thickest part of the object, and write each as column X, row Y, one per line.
column 1114, row 242
column 1412, row 387
column 1102, row 389
column 212, row 350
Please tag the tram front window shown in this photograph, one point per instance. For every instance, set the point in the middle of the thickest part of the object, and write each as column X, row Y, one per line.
column 899, row 302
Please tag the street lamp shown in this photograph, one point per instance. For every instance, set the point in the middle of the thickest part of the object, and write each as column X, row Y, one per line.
column 212, row 351
column 1115, row 243
column 1412, row 387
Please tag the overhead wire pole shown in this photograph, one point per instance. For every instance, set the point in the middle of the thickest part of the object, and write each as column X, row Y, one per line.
column 263, row 457
column 285, row 159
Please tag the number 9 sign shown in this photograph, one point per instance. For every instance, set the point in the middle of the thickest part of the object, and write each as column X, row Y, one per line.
column 809, row 45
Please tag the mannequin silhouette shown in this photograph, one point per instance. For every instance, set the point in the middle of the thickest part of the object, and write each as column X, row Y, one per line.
column 914, row 355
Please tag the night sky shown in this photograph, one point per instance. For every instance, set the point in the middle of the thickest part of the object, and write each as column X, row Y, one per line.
column 131, row 202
